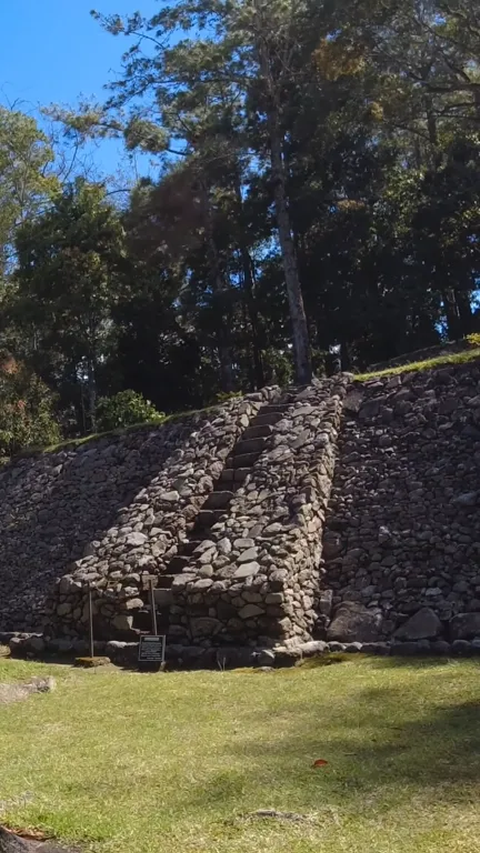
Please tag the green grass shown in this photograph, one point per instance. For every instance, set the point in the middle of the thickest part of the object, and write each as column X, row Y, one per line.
column 428, row 364
column 153, row 763
column 73, row 443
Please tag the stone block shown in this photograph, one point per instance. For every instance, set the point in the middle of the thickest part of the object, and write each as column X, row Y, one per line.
column 465, row 626
column 406, row 649
column 353, row 622
column 424, row 625
column 122, row 622
column 462, row 648
column 250, row 611
column 247, row 570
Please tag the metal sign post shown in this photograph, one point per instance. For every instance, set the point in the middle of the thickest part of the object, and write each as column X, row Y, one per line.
column 90, row 622
column 151, row 648
column 153, row 605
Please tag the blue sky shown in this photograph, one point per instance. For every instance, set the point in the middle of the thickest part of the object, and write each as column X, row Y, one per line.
column 52, row 51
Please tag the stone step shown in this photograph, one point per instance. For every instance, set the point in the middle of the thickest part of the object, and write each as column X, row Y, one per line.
column 218, row 500
column 165, row 581
column 163, row 598
column 241, row 475
column 258, row 431
column 266, row 420
column 252, row 445
column 274, row 409
column 178, row 563
column 245, row 461
column 187, row 548
column 230, row 479
column 142, row 621
column 206, row 518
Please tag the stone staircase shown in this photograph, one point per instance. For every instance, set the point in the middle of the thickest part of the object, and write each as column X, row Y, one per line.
column 250, row 446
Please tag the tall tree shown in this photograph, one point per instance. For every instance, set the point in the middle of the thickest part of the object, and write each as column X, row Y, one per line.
column 245, row 48
column 70, row 263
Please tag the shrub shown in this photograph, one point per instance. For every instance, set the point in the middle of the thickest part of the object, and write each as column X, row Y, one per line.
column 474, row 339
column 26, row 409
column 124, row 409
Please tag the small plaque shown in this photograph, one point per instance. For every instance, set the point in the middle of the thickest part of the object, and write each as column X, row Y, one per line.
column 152, row 649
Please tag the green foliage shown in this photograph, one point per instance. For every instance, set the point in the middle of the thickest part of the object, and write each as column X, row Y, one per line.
column 26, row 410
column 328, row 152
column 124, row 409
column 278, row 366
column 26, row 181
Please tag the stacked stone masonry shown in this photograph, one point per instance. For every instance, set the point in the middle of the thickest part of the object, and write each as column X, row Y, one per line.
column 256, row 578
column 142, row 545
column 104, row 512
column 231, row 515
column 403, row 527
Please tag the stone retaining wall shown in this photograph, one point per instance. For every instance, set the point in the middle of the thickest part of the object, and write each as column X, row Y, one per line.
column 120, row 503
column 145, row 534
column 400, row 527
column 403, row 530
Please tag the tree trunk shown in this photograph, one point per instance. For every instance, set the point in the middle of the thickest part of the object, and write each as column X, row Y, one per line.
column 249, row 288
column 301, row 343
column 452, row 314
column 464, row 306
column 92, row 391
column 218, row 288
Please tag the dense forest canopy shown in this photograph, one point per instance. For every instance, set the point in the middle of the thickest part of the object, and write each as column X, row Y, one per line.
column 316, row 182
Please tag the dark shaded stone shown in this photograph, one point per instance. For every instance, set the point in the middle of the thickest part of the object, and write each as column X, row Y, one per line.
column 462, row 648
column 352, row 622
column 465, row 626
column 407, row 649
column 425, row 624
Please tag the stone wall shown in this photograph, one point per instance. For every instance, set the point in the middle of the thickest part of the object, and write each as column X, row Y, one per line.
column 256, row 579
column 403, row 529
column 118, row 502
column 232, row 517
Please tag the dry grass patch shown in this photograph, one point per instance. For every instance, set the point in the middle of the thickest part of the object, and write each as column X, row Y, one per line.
column 159, row 763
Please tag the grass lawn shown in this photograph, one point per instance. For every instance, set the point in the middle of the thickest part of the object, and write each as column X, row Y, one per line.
column 132, row 763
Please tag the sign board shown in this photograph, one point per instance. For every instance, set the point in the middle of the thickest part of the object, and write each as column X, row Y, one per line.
column 151, row 648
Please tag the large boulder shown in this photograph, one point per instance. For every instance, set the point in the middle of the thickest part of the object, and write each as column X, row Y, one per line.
column 423, row 625
column 465, row 626
column 352, row 622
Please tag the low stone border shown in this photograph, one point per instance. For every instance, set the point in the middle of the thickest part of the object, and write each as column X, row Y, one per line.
column 228, row 657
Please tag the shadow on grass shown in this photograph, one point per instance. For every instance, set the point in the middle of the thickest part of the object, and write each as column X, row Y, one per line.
column 430, row 662
column 373, row 751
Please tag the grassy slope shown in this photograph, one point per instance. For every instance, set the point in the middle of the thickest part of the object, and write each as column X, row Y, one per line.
column 439, row 361
column 152, row 763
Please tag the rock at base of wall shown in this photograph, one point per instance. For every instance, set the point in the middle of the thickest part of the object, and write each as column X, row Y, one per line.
column 411, row 648
column 465, row 626
column 424, row 625
column 462, row 648
column 354, row 623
